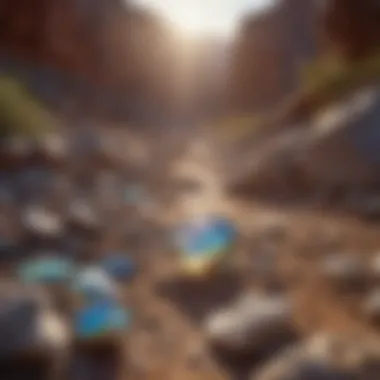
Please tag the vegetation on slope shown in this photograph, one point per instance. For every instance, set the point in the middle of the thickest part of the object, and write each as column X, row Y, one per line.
column 20, row 113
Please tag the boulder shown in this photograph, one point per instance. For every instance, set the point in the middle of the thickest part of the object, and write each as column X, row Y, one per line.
column 256, row 326
column 336, row 150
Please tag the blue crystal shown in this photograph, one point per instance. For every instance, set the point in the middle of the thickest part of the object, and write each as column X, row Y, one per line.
column 119, row 267
column 101, row 318
column 94, row 283
column 206, row 236
column 46, row 270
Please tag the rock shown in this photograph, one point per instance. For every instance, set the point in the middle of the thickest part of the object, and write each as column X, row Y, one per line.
column 100, row 321
column 28, row 325
column 82, row 215
column 371, row 306
column 257, row 325
column 47, row 270
column 344, row 271
column 43, row 223
column 204, row 242
column 322, row 357
column 120, row 267
column 352, row 28
column 54, row 147
column 94, row 283
column 267, row 47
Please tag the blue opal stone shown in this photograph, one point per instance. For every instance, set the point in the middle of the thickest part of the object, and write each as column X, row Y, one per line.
column 119, row 267
column 101, row 318
column 206, row 237
column 93, row 283
column 47, row 271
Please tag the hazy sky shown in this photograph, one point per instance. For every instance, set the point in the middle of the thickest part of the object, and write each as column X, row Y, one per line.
column 198, row 16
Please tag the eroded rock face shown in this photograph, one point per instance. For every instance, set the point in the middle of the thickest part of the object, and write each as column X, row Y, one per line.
column 91, row 55
column 269, row 52
column 336, row 152
column 352, row 27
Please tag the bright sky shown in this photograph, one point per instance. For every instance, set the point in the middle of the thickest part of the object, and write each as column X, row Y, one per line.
column 204, row 16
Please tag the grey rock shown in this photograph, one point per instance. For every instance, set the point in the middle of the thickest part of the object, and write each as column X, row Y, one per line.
column 255, row 323
column 54, row 146
column 83, row 215
column 344, row 271
column 28, row 324
column 42, row 222
column 322, row 357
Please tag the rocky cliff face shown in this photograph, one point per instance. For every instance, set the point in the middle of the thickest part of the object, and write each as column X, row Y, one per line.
column 352, row 27
column 269, row 54
column 92, row 46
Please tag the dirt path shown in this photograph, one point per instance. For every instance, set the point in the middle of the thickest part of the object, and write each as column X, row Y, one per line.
column 301, row 240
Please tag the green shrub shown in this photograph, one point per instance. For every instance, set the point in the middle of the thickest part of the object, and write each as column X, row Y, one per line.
column 20, row 113
column 330, row 79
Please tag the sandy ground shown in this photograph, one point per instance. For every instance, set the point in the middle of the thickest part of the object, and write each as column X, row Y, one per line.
column 166, row 341
column 175, row 349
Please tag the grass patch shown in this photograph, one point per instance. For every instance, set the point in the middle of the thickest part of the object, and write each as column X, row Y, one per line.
column 20, row 112
column 330, row 79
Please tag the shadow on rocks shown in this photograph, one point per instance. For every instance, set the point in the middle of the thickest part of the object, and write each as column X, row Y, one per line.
column 197, row 297
column 95, row 362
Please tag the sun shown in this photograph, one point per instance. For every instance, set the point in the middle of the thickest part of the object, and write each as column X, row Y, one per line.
column 190, row 21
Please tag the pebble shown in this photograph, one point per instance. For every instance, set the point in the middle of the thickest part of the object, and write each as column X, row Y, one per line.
column 120, row 267
column 94, row 283
column 54, row 146
column 255, row 323
column 47, row 270
column 344, row 271
column 100, row 319
column 203, row 243
column 83, row 215
column 38, row 220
